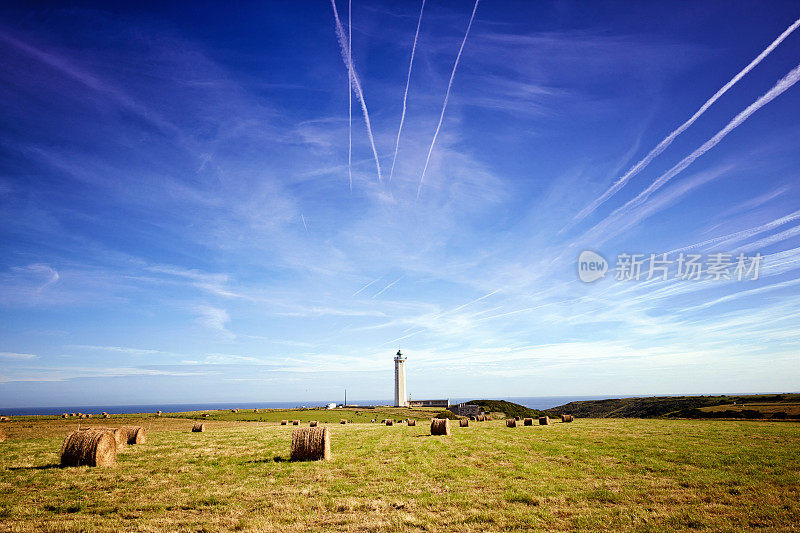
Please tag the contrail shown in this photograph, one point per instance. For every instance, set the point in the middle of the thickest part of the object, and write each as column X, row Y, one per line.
column 350, row 95
column 744, row 234
column 446, row 97
column 387, row 287
column 367, row 285
column 767, row 241
column 638, row 167
column 460, row 307
column 405, row 95
column 785, row 83
column 304, row 222
column 348, row 61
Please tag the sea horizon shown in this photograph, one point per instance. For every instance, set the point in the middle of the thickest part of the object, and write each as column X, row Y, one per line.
column 532, row 402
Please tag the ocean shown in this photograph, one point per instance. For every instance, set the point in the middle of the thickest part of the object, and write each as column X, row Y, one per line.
column 534, row 402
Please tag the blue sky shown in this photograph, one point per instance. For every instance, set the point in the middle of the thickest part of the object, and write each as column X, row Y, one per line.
column 179, row 222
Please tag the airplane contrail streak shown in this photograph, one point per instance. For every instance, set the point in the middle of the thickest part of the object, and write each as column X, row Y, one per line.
column 359, row 291
column 783, row 84
column 446, row 97
column 387, row 287
column 350, row 95
column 348, row 61
column 405, row 95
column 638, row 167
column 744, row 234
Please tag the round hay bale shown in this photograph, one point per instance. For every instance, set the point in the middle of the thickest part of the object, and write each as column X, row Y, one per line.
column 411, row 422
column 121, row 436
column 65, row 415
column 480, row 418
column 516, row 418
column 544, row 421
column 198, row 427
column 255, row 410
column 295, row 422
column 440, row 426
column 311, row 444
column 205, row 415
column 312, row 424
column 511, row 423
column 389, row 422
column 343, row 421
column 567, row 418
column 463, row 423
column 158, row 413
column 487, row 417
column 528, row 422
column 135, row 434
column 284, row 422
column 94, row 447
column 106, row 415
column 89, row 415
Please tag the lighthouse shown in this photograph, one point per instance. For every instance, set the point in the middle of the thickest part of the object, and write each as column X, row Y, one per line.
column 400, row 398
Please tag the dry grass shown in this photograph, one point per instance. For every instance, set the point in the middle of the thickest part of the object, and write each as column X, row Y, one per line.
column 591, row 475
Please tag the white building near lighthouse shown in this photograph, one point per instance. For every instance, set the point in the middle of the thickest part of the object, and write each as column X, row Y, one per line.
column 400, row 396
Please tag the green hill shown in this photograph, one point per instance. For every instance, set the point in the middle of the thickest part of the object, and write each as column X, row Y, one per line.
column 509, row 408
column 678, row 406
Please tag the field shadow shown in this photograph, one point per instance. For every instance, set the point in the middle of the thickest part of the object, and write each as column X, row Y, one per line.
column 276, row 459
column 40, row 467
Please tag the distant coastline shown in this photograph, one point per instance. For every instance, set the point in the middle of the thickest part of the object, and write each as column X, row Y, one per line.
column 540, row 402
column 532, row 402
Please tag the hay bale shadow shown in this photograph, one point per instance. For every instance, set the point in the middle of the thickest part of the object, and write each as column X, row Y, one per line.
column 40, row 467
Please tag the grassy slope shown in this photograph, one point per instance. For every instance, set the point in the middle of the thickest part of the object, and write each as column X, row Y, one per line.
column 674, row 406
column 509, row 408
column 658, row 475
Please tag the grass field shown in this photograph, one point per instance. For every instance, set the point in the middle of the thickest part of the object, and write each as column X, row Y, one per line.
column 625, row 474
column 767, row 408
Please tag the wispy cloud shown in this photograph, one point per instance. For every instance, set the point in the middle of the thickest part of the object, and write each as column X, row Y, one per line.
column 12, row 355
column 214, row 318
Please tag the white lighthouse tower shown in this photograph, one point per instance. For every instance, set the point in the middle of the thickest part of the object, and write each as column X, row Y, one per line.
column 400, row 398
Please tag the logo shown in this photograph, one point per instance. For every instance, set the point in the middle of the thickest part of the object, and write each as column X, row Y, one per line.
column 591, row 266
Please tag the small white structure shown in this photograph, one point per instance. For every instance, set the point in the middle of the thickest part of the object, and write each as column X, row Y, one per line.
column 330, row 406
column 400, row 397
